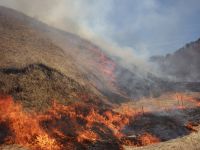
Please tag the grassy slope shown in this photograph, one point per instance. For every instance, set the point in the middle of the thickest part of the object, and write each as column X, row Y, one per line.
column 28, row 41
column 37, row 85
column 22, row 45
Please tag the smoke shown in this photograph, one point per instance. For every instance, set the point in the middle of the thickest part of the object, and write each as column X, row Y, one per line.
column 87, row 19
column 91, row 20
column 147, row 27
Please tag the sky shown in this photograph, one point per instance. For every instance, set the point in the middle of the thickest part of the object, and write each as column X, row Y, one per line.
column 144, row 27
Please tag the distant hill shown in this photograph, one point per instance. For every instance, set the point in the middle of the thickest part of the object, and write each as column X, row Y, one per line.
column 183, row 65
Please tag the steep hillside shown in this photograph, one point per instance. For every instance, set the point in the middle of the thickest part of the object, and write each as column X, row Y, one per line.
column 33, row 68
column 183, row 65
column 114, row 80
column 26, row 41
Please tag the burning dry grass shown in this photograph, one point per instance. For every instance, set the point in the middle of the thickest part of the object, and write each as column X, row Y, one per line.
column 82, row 125
column 60, row 127
column 24, row 129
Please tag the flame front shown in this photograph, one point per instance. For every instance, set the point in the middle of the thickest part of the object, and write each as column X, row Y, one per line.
column 59, row 127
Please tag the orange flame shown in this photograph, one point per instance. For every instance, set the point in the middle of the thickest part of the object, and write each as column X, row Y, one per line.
column 66, row 127
column 25, row 128
column 146, row 139
column 61, row 126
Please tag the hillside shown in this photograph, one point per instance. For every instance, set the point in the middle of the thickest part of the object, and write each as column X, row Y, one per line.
column 33, row 68
column 26, row 41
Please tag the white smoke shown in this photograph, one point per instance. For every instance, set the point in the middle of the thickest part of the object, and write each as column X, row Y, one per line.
column 85, row 18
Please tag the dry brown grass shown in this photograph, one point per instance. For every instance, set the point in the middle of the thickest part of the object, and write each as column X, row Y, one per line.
column 22, row 45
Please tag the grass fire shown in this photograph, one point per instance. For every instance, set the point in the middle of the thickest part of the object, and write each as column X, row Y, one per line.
column 84, row 126
column 60, row 127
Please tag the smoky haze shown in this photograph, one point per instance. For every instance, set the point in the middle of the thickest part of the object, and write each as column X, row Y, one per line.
column 84, row 18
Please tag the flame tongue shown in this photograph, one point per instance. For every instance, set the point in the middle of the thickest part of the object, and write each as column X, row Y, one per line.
column 24, row 128
column 146, row 139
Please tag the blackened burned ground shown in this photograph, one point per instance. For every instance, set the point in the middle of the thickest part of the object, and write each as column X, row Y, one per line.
column 163, row 125
column 37, row 85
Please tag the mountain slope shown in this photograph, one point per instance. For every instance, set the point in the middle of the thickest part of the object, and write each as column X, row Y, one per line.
column 22, row 46
column 105, row 72
column 27, row 42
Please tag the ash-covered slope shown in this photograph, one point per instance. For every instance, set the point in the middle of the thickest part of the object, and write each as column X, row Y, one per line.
column 183, row 65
